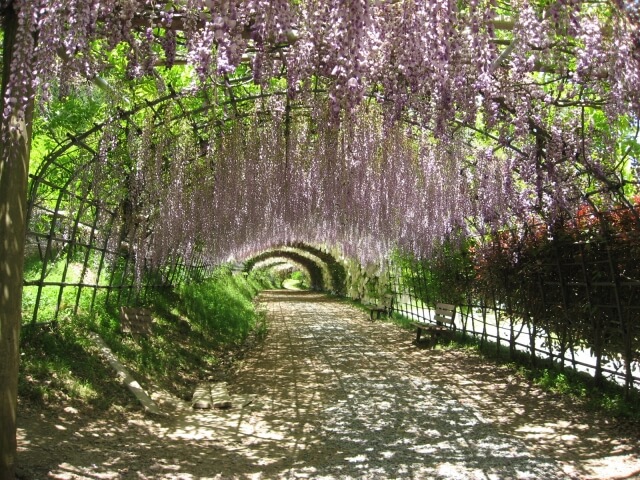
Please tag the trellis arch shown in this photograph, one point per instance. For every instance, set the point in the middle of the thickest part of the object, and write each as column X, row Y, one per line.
column 331, row 269
column 274, row 264
column 123, row 122
column 454, row 61
column 315, row 266
column 93, row 224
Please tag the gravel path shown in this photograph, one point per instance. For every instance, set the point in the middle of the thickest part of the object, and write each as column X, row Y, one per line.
column 336, row 396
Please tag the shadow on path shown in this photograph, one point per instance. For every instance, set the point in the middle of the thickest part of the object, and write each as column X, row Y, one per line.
column 337, row 396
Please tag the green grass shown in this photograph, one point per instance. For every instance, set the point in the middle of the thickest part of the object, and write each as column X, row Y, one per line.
column 609, row 397
column 297, row 281
column 199, row 330
column 49, row 295
column 220, row 308
column 60, row 365
column 293, row 284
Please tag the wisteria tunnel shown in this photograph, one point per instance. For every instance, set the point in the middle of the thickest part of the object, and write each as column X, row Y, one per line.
column 325, row 271
column 398, row 155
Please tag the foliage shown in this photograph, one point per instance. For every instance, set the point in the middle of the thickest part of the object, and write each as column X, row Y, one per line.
column 336, row 268
column 575, row 281
column 567, row 278
column 283, row 260
column 264, row 279
column 610, row 398
column 196, row 334
column 297, row 280
column 236, row 150
column 68, row 113
column 323, row 267
column 446, row 276
column 220, row 308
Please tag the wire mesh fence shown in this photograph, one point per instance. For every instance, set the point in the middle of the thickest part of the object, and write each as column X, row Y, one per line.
column 570, row 294
column 82, row 242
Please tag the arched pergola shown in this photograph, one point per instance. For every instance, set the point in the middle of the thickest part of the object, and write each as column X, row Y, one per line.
column 332, row 271
column 277, row 265
column 366, row 126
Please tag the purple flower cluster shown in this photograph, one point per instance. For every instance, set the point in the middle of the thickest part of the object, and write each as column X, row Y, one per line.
column 417, row 120
column 365, row 187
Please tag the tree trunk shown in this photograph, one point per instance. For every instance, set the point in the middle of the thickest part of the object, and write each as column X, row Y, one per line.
column 14, row 169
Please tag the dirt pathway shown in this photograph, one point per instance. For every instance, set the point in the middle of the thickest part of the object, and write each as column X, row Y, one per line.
column 336, row 396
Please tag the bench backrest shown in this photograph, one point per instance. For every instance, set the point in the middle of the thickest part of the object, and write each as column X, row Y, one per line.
column 136, row 321
column 387, row 301
column 445, row 313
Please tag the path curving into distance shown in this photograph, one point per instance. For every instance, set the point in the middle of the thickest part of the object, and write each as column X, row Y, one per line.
column 336, row 396
column 356, row 399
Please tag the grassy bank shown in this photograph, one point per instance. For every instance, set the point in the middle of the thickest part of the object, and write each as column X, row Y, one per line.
column 199, row 331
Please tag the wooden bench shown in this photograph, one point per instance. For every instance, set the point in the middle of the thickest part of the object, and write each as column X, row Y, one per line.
column 385, row 306
column 135, row 321
column 445, row 314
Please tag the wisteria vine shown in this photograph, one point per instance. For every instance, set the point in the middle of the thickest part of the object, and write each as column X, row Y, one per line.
column 417, row 119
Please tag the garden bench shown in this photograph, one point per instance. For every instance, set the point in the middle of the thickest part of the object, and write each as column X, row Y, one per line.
column 135, row 321
column 385, row 306
column 445, row 314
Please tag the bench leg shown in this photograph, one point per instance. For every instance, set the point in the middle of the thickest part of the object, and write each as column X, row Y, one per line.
column 418, row 333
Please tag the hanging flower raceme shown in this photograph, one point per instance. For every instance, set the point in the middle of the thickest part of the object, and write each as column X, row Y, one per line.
column 366, row 187
column 402, row 121
column 436, row 58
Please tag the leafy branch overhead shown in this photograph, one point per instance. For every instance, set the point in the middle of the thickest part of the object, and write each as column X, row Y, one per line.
column 243, row 124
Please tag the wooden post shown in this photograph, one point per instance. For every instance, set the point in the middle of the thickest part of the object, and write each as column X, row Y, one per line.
column 14, row 170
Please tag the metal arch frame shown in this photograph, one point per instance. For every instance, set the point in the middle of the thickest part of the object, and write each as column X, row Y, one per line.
column 64, row 191
column 312, row 267
column 277, row 261
column 332, row 271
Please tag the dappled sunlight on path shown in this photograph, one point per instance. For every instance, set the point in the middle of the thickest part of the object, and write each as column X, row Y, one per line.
column 337, row 396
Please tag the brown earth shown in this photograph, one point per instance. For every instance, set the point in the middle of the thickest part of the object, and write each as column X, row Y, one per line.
column 334, row 395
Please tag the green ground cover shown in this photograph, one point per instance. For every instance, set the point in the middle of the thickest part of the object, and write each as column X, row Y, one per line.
column 199, row 330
